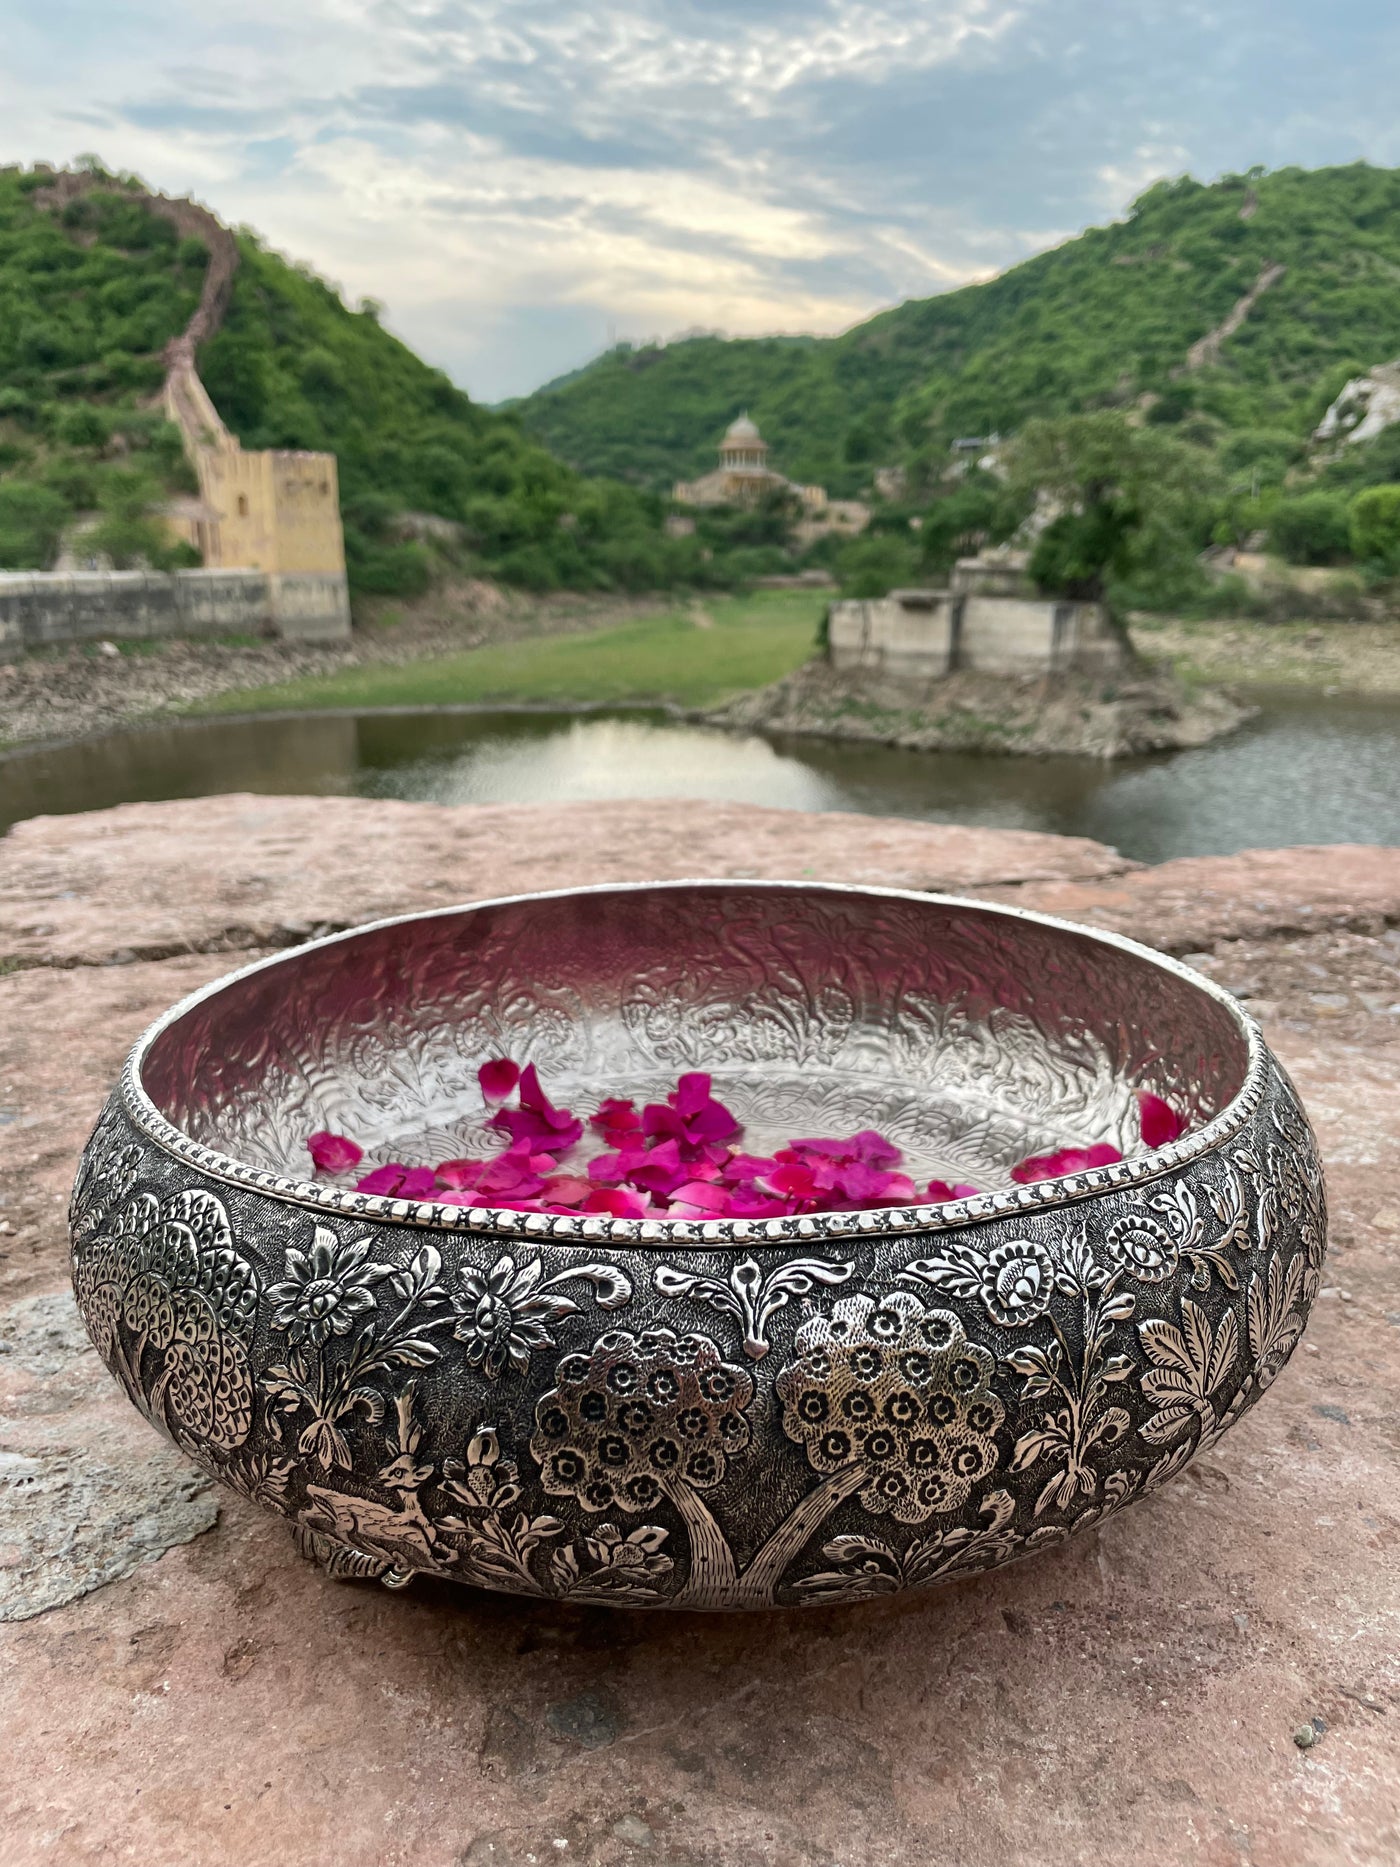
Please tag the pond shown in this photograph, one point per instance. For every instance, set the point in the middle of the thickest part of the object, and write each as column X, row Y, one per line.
column 1309, row 770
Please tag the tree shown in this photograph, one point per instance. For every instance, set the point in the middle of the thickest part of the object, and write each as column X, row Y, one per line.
column 645, row 1418
column 1128, row 501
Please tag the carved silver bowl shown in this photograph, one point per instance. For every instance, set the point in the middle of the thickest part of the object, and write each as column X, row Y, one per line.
column 708, row 1415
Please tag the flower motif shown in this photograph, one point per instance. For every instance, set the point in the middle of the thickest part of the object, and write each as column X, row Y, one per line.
column 486, row 1481
column 1017, row 1278
column 324, row 1293
column 1143, row 1248
column 502, row 1316
column 1014, row 1279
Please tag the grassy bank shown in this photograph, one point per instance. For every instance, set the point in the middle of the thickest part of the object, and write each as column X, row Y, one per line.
column 691, row 654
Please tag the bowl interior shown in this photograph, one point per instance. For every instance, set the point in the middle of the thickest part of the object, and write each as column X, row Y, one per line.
column 971, row 1036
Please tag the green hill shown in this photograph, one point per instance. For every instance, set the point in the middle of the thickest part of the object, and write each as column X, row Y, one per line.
column 1107, row 320
column 91, row 291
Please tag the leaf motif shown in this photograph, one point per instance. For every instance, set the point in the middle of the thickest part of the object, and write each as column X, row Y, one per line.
column 649, row 1538
column 1199, row 1339
column 999, row 1507
column 1166, row 1424
column 1168, row 1384
column 798, row 1278
column 1033, row 1446
column 674, row 1283
column 1222, row 1360
column 1110, row 1426
column 1166, row 1346
column 852, row 1548
column 1118, row 1368
column 1028, row 1359
column 611, row 1290
column 1058, row 1492
column 414, row 1351
column 1119, row 1307
column 746, row 1278
column 956, row 1269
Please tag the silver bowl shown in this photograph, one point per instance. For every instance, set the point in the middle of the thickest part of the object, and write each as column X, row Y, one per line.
column 707, row 1415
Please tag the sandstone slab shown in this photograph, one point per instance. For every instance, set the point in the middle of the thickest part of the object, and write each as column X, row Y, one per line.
column 1195, row 902
column 225, row 873
column 1131, row 1696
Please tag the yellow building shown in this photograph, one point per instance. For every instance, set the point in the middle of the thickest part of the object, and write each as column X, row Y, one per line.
column 272, row 510
column 269, row 510
column 744, row 478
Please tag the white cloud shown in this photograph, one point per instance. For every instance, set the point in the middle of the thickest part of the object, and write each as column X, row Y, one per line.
column 516, row 176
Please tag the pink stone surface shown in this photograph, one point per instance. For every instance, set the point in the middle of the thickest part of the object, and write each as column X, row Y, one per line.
column 1130, row 1697
column 222, row 873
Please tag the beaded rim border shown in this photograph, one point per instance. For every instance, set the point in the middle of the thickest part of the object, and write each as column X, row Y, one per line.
column 591, row 1229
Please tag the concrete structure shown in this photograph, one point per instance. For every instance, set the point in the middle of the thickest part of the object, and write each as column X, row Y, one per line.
column 990, row 621
column 744, row 478
column 46, row 609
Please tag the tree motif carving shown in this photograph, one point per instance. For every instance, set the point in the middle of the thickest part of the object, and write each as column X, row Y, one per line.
column 645, row 1417
column 169, row 1304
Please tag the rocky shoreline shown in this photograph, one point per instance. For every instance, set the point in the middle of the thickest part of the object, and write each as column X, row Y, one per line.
column 1140, row 710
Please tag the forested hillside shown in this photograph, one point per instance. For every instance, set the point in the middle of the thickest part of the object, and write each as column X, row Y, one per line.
column 1107, row 320
column 92, row 289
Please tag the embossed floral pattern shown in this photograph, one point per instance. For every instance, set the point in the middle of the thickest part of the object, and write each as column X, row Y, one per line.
column 1143, row 1248
column 502, row 1317
column 1014, row 1279
column 504, row 1314
column 325, row 1289
column 787, row 1459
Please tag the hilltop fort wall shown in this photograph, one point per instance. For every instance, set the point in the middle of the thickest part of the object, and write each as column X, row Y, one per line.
column 267, row 520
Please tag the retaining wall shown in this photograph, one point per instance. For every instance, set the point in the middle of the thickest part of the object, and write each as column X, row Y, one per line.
column 41, row 609
column 923, row 635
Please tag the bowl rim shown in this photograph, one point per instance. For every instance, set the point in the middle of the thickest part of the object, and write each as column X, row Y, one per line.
column 592, row 1230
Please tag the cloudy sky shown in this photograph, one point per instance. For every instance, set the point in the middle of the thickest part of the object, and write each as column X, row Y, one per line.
column 522, row 180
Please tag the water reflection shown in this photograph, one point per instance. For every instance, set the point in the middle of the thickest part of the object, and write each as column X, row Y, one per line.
column 1309, row 771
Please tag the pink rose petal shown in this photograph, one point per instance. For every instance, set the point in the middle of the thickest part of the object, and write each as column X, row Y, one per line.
column 1160, row 1122
column 939, row 1192
column 459, row 1175
column 498, row 1078
column 1067, row 1160
column 616, row 1203
column 395, row 1181
column 333, row 1153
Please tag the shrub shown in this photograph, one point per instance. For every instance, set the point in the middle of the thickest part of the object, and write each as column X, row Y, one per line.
column 1311, row 528
column 391, row 570
column 1374, row 524
column 82, row 426
column 32, row 518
